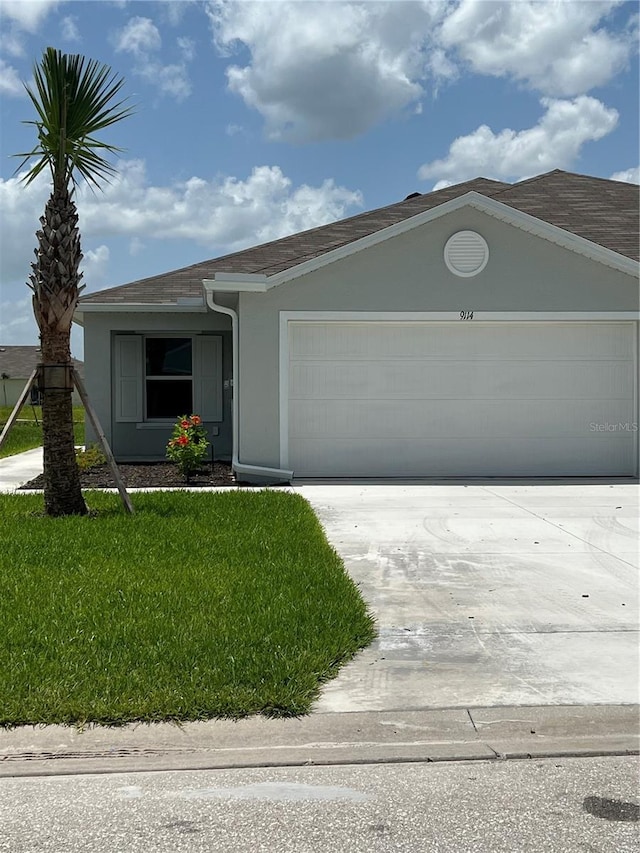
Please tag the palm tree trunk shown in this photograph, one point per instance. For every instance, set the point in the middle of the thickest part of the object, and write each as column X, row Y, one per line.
column 62, row 492
column 54, row 282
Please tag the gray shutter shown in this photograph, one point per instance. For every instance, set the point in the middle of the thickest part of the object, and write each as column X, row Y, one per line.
column 128, row 378
column 207, row 377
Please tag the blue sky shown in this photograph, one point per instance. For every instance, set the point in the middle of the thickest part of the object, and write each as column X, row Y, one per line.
column 259, row 119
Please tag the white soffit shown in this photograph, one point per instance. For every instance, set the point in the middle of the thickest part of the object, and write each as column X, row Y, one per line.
column 466, row 253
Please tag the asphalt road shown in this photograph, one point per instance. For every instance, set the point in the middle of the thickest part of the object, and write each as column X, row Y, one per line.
column 571, row 804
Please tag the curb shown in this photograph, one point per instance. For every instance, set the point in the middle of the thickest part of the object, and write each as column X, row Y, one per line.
column 434, row 735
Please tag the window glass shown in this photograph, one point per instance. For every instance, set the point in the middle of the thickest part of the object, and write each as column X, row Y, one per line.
column 169, row 398
column 168, row 356
column 169, row 384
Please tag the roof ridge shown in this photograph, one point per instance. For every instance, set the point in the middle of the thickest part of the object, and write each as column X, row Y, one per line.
column 588, row 177
column 544, row 175
column 535, row 178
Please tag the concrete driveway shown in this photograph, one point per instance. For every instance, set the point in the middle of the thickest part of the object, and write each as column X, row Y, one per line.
column 488, row 594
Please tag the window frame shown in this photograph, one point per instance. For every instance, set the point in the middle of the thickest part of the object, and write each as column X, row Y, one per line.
column 181, row 378
column 129, row 376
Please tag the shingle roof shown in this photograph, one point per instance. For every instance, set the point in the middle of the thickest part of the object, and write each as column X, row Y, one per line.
column 18, row 362
column 603, row 211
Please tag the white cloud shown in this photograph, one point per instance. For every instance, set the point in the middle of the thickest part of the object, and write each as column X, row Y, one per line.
column 18, row 17
column 69, row 28
column 629, row 176
column 227, row 212
column 328, row 70
column 27, row 14
column 11, row 42
column 10, row 83
column 21, row 208
column 332, row 70
column 558, row 48
column 553, row 143
column 174, row 10
column 187, row 47
column 17, row 323
column 141, row 38
column 136, row 246
column 138, row 37
column 94, row 267
column 170, row 79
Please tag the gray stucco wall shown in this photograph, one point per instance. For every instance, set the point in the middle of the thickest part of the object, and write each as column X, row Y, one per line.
column 128, row 440
column 408, row 273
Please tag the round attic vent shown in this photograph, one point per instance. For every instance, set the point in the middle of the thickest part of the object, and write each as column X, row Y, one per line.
column 466, row 253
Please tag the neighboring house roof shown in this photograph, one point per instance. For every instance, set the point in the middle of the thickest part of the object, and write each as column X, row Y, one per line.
column 601, row 211
column 19, row 362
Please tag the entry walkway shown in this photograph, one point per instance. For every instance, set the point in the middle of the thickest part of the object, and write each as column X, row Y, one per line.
column 17, row 470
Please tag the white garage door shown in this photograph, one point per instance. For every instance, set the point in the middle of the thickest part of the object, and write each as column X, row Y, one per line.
column 403, row 399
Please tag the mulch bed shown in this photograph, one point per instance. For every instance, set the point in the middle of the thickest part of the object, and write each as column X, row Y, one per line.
column 148, row 475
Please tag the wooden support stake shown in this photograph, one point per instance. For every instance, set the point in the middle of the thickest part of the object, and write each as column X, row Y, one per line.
column 13, row 417
column 104, row 444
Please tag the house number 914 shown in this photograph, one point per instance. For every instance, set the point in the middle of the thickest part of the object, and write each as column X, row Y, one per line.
column 466, row 315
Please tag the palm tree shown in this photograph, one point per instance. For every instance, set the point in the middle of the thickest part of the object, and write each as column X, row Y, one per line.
column 74, row 100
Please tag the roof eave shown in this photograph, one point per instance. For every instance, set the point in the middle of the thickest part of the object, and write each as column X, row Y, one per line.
column 234, row 282
column 138, row 307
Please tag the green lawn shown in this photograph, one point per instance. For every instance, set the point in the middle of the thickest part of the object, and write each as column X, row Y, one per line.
column 198, row 606
column 27, row 432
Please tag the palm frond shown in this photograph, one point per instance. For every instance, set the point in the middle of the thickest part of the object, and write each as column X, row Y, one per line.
column 74, row 99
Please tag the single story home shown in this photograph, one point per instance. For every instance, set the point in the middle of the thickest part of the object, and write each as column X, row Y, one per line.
column 482, row 330
column 16, row 366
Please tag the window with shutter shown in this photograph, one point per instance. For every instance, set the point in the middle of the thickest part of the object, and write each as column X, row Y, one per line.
column 159, row 378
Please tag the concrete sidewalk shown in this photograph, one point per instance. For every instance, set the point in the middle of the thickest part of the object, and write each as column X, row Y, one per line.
column 324, row 739
column 17, row 470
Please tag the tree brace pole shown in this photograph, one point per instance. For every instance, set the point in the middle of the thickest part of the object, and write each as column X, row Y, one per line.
column 13, row 417
column 104, row 444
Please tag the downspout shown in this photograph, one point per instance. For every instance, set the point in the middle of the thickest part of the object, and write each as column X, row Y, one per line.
column 239, row 467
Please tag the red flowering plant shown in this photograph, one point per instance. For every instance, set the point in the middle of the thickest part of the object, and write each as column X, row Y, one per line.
column 188, row 445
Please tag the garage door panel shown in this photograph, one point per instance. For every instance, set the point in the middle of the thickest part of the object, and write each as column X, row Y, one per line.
column 407, row 340
column 461, row 399
column 477, row 379
column 411, row 419
column 454, row 458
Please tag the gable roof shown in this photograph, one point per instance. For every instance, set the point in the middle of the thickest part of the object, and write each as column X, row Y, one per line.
column 19, row 362
column 601, row 211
